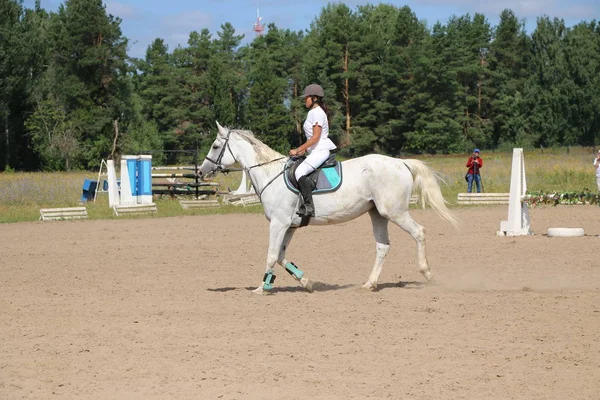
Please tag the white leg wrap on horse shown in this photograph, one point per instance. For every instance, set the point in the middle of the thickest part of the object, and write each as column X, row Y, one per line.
column 382, row 251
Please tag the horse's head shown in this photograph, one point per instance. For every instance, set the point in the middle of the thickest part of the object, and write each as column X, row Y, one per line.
column 220, row 156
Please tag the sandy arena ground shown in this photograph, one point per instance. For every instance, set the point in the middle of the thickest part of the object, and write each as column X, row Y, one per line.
column 162, row 308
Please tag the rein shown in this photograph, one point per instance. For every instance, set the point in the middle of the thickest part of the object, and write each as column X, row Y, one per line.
column 245, row 169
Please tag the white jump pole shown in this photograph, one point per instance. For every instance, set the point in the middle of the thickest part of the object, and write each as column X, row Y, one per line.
column 243, row 188
column 518, row 222
column 128, row 180
column 113, row 190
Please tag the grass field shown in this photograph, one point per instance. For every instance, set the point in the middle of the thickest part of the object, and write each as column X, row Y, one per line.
column 558, row 169
column 562, row 169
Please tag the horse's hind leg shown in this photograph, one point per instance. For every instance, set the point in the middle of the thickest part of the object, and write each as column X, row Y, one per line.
column 292, row 269
column 380, row 231
column 405, row 221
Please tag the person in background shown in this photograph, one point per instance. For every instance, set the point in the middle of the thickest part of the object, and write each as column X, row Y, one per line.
column 597, row 166
column 474, row 164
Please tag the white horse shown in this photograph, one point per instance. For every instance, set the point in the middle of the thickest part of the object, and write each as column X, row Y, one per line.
column 376, row 184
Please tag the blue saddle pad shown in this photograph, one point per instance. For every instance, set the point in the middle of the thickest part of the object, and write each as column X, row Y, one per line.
column 329, row 180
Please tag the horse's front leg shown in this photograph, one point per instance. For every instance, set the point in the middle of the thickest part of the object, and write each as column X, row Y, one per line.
column 290, row 267
column 277, row 233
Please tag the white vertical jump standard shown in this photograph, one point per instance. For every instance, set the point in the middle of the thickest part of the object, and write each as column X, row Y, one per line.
column 113, row 190
column 244, row 195
column 243, row 188
column 518, row 214
column 128, row 181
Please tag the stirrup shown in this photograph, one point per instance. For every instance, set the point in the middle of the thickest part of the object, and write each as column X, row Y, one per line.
column 303, row 212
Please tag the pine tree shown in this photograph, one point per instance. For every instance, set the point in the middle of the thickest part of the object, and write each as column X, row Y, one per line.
column 434, row 104
column 197, row 116
column 84, row 86
column 10, row 60
column 270, row 91
column 509, row 56
column 329, row 62
column 582, row 54
column 158, row 90
column 549, row 87
column 390, row 41
column 225, row 81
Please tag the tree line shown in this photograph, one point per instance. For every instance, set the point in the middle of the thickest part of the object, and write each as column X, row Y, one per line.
column 70, row 95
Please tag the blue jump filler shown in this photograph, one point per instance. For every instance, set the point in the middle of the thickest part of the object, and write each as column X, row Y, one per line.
column 144, row 181
column 89, row 190
column 132, row 171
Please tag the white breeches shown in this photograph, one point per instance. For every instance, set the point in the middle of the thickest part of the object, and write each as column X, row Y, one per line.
column 312, row 162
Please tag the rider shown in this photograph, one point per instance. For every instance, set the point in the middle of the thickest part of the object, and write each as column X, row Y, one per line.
column 318, row 145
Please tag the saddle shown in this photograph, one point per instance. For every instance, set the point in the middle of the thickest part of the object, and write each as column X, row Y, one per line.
column 326, row 178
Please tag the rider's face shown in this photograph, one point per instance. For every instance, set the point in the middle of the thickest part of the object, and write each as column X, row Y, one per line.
column 308, row 102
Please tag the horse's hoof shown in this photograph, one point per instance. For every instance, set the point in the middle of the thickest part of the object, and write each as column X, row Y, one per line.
column 370, row 287
column 429, row 276
column 307, row 284
column 260, row 291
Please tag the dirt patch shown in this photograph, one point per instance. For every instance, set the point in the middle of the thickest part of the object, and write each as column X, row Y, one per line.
column 162, row 308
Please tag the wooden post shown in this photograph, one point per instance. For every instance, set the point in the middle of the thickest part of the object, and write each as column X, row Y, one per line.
column 114, row 146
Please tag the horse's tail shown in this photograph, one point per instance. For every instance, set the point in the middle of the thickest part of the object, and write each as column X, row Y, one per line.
column 427, row 186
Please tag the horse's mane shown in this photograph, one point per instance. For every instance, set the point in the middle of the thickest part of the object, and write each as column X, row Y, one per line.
column 263, row 152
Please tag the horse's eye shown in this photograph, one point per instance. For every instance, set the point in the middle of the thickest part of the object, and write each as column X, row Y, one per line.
column 215, row 146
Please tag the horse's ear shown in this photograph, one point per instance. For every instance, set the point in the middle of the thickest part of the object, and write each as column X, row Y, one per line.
column 222, row 131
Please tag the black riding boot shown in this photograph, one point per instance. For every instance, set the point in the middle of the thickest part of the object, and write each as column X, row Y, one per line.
column 307, row 208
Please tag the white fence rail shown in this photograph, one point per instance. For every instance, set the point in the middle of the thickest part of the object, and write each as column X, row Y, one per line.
column 54, row 214
column 135, row 209
column 482, row 198
column 201, row 203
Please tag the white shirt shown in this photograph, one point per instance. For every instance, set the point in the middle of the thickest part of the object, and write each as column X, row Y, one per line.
column 597, row 169
column 317, row 116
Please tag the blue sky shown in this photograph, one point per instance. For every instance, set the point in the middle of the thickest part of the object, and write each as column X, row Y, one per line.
column 145, row 20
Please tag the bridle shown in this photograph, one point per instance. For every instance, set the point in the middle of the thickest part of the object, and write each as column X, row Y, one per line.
column 219, row 168
column 220, row 156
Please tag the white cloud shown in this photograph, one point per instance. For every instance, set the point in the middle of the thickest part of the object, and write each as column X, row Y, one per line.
column 175, row 29
column 522, row 8
column 175, row 39
column 122, row 10
column 583, row 12
column 188, row 21
column 574, row 9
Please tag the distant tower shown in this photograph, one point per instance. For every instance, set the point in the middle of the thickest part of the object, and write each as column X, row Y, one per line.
column 258, row 27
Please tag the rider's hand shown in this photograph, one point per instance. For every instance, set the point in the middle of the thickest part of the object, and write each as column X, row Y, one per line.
column 293, row 152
